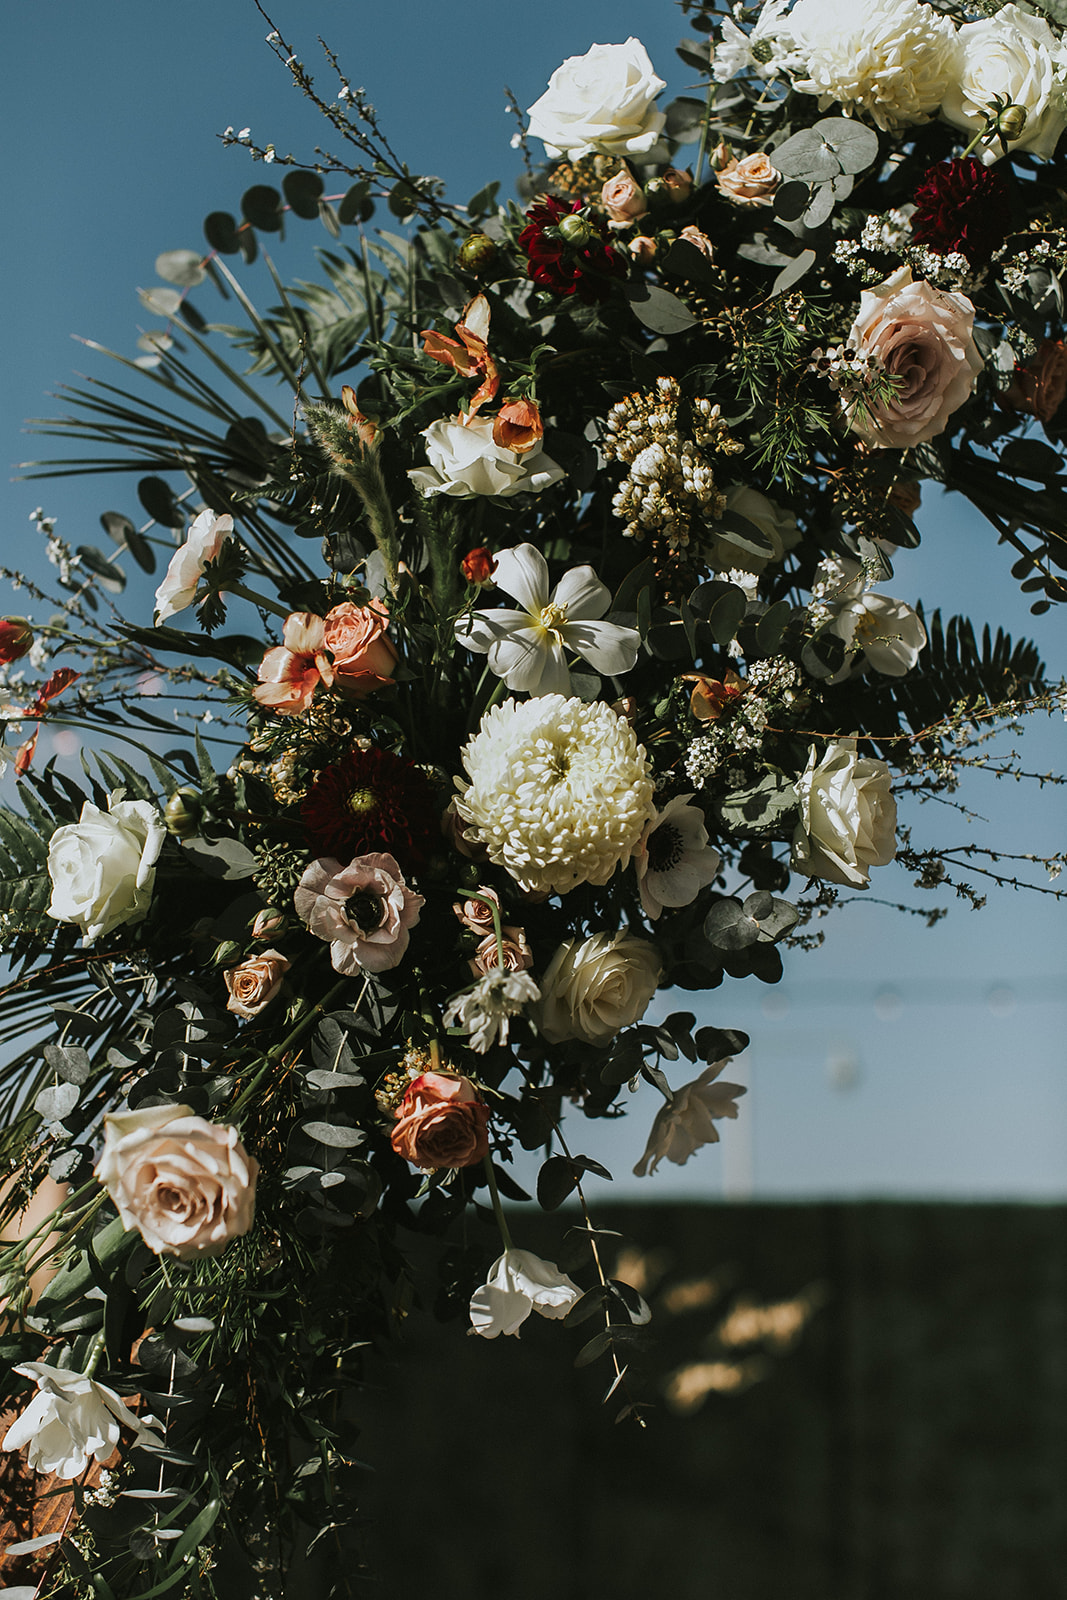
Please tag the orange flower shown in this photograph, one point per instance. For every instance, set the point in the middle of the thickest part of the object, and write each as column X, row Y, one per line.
column 363, row 656
column 61, row 679
column 441, row 1123
column 711, row 696
column 365, row 428
column 291, row 672
column 518, row 426
column 479, row 564
column 470, row 358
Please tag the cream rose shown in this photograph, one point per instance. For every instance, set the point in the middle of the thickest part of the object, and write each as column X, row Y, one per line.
column 848, row 816
column 1013, row 56
column 593, row 989
column 103, row 866
column 892, row 59
column 602, row 101
column 752, row 181
column 464, row 462
column 255, row 982
column 923, row 339
column 187, row 1185
column 623, row 200
column 205, row 539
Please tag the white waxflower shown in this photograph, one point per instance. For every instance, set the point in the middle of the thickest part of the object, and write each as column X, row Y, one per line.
column 559, row 791
column 603, row 101
column 1013, row 56
column 103, row 866
column 71, row 1420
column 688, row 1121
column 893, row 59
column 203, row 542
column 485, row 1010
column 465, row 462
column 519, row 1283
column 674, row 860
column 848, row 816
column 526, row 648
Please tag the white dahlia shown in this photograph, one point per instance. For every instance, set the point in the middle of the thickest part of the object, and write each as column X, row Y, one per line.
column 892, row 59
column 559, row 791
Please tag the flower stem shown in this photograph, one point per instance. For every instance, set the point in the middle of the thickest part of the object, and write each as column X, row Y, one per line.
column 498, row 1209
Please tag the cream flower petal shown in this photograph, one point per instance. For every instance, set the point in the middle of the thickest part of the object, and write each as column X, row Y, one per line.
column 523, row 574
column 609, row 648
column 486, row 628
column 583, row 594
column 530, row 659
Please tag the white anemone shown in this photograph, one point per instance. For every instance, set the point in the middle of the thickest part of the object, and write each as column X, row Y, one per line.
column 674, row 860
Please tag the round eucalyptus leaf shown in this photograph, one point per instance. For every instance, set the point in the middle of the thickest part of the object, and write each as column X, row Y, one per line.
column 220, row 231
column 160, row 302
column 182, row 267
column 158, row 500
column 357, row 205
column 807, row 157
column 853, row 143
column 262, row 207
column 110, row 577
column 303, row 191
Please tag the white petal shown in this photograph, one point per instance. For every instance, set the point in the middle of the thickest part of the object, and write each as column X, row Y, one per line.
column 583, row 594
column 485, row 628
column 608, row 647
column 495, row 1311
column 530, row 659
column 523, row 573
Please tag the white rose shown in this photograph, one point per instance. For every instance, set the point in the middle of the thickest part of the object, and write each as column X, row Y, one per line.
column 1013, row 56
column 70, row 1419
column 187, row 1185
column 848, row 816
column 892, row 59
column 602, row 101
column 465, row 462
column 206, row 538
column 519, row 1283
column 688, row 1121
column 592, row 990
column 102, row 867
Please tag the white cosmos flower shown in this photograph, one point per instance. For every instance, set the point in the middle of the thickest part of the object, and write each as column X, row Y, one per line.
column 519, row 1283
column 526, row 648
column 674, row 860
column 205, row 539
column 766, row 49
column 688, row 1121
column 70, row 1419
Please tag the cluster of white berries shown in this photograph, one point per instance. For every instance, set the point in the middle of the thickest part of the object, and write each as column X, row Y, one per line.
column 885, row 236
column 670, row 487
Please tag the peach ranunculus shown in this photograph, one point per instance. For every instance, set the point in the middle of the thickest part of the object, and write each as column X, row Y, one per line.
column 623, row 199
column 187, row 1185
column 363, row 654
column 291, row 672
column 1041, row 386
column 203, row 542
column 364, row 911
column 441, row 1123
column 752, row 181
column 254, row 983
column 517, row 955
column 923, row 339
column 469, row 356
column 517, row 426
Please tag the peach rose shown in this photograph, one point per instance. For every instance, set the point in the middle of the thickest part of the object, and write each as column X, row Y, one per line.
column 517, row 953
column 923, row 339
column 698, row 239
column 363, row 655
column 478, row 565
column 255, row 982
column 441, row 1123
column 291, row 672
column 623, row 200
column 187, row 1185
column 475, row 914
column 752, row 181
column 1041, row 386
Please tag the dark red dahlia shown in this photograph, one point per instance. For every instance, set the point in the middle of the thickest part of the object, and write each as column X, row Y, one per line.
column 371, row 800
column 569, row 253
column 962, row 206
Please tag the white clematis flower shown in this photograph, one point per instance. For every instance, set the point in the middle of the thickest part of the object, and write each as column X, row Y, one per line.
column 688, row 1121
column 526, row 648
column 674, row 860
column 519, row 1283
column 70, row 1419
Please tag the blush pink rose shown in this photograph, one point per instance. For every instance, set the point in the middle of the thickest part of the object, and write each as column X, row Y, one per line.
column 923, row 338
column 363, row 654
column 518, row 956
column 364, row 911
column 623, row 200
column 254, row 983
column 752, row 181
column 441, row 1123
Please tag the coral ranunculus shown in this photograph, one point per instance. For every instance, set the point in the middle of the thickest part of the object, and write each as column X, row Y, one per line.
column 291, row 672
column 441, row 1123
column 962, row 206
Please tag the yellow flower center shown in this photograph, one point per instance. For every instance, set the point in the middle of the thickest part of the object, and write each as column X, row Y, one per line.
column 553, row 619
column 360, row 801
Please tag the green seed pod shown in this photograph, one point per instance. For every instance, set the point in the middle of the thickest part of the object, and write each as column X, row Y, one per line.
column 182, row 813
column 476, row 252
column 576, row 229
column 1012, row 121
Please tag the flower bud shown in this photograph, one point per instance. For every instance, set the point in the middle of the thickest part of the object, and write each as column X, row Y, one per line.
column 16, row 637
column 1012, row 121
column 270, row 923
column 518, row 426
column 678, row 185
column 476, row 252
column 721, row 156
column 228, row 950
column 479, row 565
column 576, row 229
column 642, row 249
column 182, row 813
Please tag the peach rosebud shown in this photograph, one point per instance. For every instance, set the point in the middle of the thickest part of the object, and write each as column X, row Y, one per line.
column 187, row 1185
column 1039, row 387
column 623, row 200
column 517, row 426
column 268, row 923
column 517, row 955
column 363, row 655
column 699, row 240
column 291, row 672
column 678, row 185
column 712, row 696
column 365, row 428
column 479, row 565
column 255, row 982
column 475, row 914
column 16, row 638
column 642, row 250
column 441, row 1123
column 752, row 181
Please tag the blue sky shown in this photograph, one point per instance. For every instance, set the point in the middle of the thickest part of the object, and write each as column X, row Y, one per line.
column 894, row 1060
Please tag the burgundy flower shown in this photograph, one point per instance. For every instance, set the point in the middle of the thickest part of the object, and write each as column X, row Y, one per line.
column 371, row 800
column 583, row 263
column 962, row 206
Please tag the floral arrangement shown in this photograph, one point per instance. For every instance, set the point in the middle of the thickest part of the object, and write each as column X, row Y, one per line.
column 544, row 668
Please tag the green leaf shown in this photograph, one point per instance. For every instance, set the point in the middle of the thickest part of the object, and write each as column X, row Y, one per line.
column 793, row 272
column 110, row 577
column 403, row 199
column 262, row 207
column 194, row 1535
column 158, row 500
column 303, row 190
column 334, row 1134
column 125, row 535
column 764, row 808
column 658, row 309
column 791, row 200
column 329, row 219
column 160, row 302
column 183, row 267
column 714, row 1043
column 220, row 231
column 852, row 142
column 771, row 626
column 357, row 206
column 555, row 1181
column 483, row 202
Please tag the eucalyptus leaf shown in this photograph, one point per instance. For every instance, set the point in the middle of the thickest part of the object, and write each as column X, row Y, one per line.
column 262, row 207
column 57, row 1101
column 220, row 231
column 110, row 577
column 183, row 267
column 160, row 302
column 658, row 309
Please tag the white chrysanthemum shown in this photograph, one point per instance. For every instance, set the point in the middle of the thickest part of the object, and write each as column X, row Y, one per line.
column 485, row 1011
column 559, row 791
column 766, row 49
column 890, row 58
